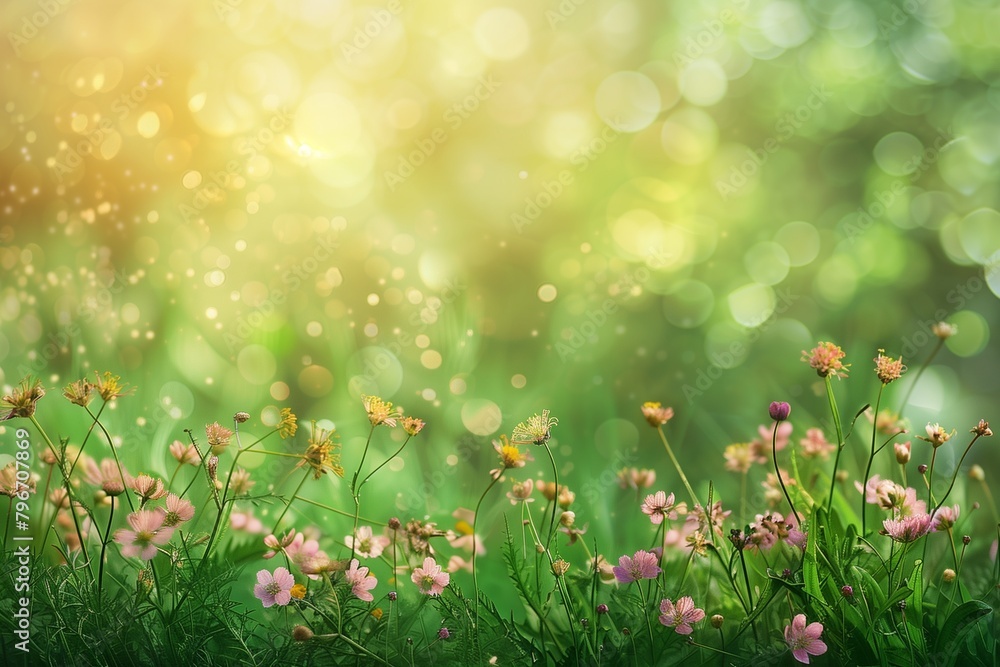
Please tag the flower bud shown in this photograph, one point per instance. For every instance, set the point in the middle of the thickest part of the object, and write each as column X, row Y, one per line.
column 847, row 591
column 301, row 633
column 977, row 473
column 241, row 417
column 444, row 633
column 948, row 576
column 717, row 620
column 602, row 608
column 779, row 410
column 922, row 468
column 567, row 519
column 902, row 452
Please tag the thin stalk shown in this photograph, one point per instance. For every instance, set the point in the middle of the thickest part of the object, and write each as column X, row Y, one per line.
column 954, row 475
column 777, row 473
column 555, row 498
column 684, row 479
column 649, row 626
column 356, row 493
column 831, row 399
column 104, row 547
column 114, row 452
column 289, row 504
column 871, row 457
column 475, row 574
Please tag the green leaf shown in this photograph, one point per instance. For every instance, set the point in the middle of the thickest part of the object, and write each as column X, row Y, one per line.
column 894, row 599
column 958, row 624
column 810, row 566
column 915, row 609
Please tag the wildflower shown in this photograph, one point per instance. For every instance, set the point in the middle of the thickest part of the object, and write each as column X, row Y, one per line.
column 443, row 633
column 520, row 492
column 393, row 596
column 418, row 536
column 463, row 537
column 635, row 478
column 804, row 639
column 826, row 359
column 976, row 473
column 769, row 529
column 301, row 633
column 945, row 518
column 560, row 567
column 275, row 545
column 655, row 414
column 659, row 506
column 379, row 411
column 185, row 453
column 106, row 476
column 9, row 484
column 361, row 581
column 982, row 428
column 680, row 616
column 536, row 430
column 307, row 556
column 772, row 489
column 178, row 510
column 888, row 369
column 246, row 522
column 902, row 452
column 298, row 591
column 22, row 400
column 948, row 575
column 922, row 468
column 716, row 517
column 274, row 589
column 936, row 435
column 640, row 566
column 287, row 424
column 79, row 392
column 456, row 563
column 779, row 410
column 815, row 445
column 511, row 456
column 886, row 421
column 109, row 386
column 602, row 608
column 240, row 482
column 365, row 544
column 148, row 488
column 908, row 529
column 697, row 543
column 322, row 454
column 943, row 330
column 218, row 436
column 717, row 620
column 430, row 579
column 148, row 531
column 412, row 425
column 605, row 571
column 847, row 591
column 738, row 457
column 564, row 496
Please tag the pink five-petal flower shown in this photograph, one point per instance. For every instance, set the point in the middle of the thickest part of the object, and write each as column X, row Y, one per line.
column 659, row 506
column 360, row 581
column 804, row 639
column 640, row 566
column 681, row 615
column 430, row 579
column 274, row 589
column 147, row 533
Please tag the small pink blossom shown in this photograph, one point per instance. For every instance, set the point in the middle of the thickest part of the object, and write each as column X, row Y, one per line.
column 908, row 529
column 804, row 639
column 366, row 544
column 246, row 521
column 360, row 580
column 816, row 446
column 643, row 565
column 179, row 510
column 659, row 506
column 430, row 579
column 274, row 589
column 680, row 616
column 307, row 556
column 147, row 533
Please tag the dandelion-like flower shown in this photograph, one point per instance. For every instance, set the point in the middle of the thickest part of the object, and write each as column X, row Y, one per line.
column 412, row 425
column 826, row 358
column 936, row 435
column 804, row 640
column 366, row 544
column 21, row 401
column 888, row 369
column 322, row 454
column 110, row 387
column 908, row 529
column 274, row 589
column 148, row 531
column 659, row 506
column 511, row 456
column 681, row 615
column 643, row 565
column 379, row 411
column 79, row 392
column 943, row 330
column 148, row 488
column 218, row 436
column 656, row 414
column 536, row 430
column 361, row 581
column 430, row 579
column 287, row 425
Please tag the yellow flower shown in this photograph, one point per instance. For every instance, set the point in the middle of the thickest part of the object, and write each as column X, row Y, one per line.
column 287, row 426
column 377, row 613
column 412, row 425
column 79, row 392
column 109, row 386
column 655, row 414
column 379, row 411
column 23, row 399
column 887, row 368
column 322, row 454
column 298, row 591
column 825, row 358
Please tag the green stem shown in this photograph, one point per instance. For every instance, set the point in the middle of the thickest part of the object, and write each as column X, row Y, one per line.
column 289, row 504
column 649, row 626
column 916, row 378
column 383, row 463
column 777, row 473
column 104, row 547
column 114, row 453
column 954, row 475
column 475, row 574
column 555, row 498
column 368, row 442
column 831, row 399
column 677, row 466
column 871, row 458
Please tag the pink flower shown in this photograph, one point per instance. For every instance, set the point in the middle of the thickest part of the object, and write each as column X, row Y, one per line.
column 659, row 506
column 361, row 581
column 780, row 438
column 804, row 639
column 147, row 532
column 681, row 615
column 910, row 528
column 179, row 510
column 274, row 589
column 246, row 521
column 640, row 566
column 815, row 445
column 307, row 556
column 430, row 579
column 366, row 544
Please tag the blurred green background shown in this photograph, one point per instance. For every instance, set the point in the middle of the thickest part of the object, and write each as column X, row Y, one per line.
column 482, row 210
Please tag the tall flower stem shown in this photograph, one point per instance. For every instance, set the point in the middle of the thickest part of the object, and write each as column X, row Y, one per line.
column 649, row 626
column 916, row 378
column 777, row 473
column 356, row 488
column 954, row 475
column 104, row 546
column 555, row 497
column 289, row 504
column 475, row 574
column 871, row 457
column 677, row 465
column 831, row 399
